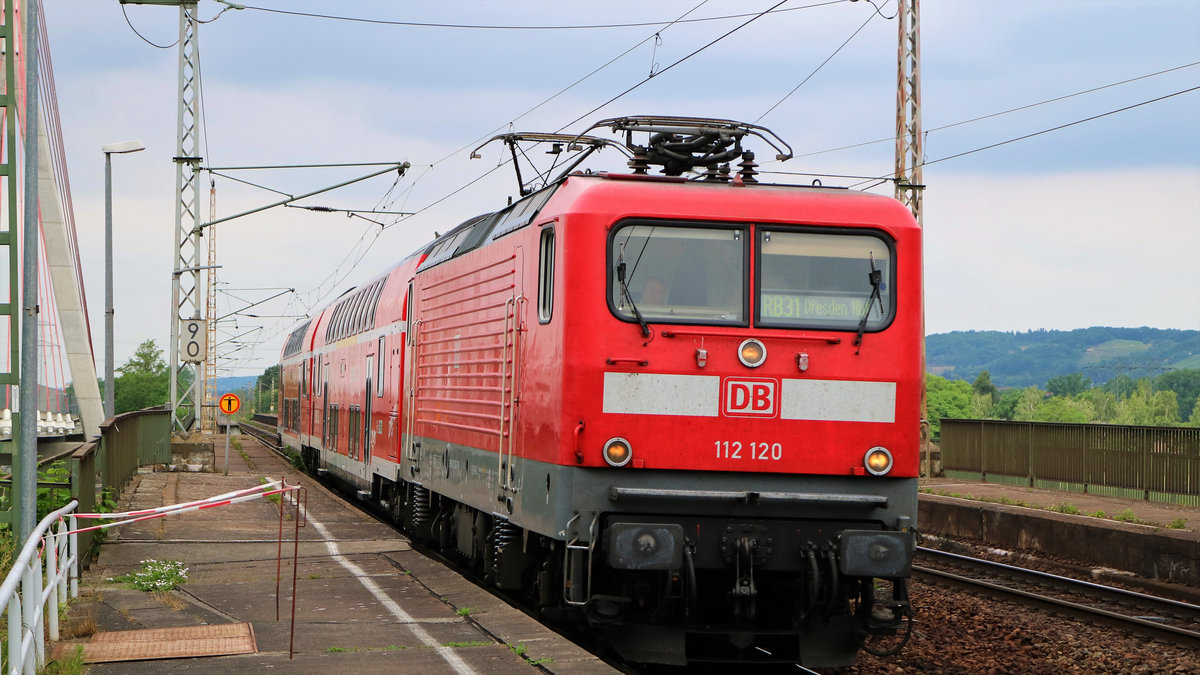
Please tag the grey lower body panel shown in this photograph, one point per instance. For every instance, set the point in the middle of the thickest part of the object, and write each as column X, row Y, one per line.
column 561, row 502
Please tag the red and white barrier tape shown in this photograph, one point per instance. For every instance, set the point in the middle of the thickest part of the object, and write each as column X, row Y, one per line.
column 220, row 500
column 175, row 507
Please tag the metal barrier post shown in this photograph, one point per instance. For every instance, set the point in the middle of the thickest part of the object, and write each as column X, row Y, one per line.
column 51, row 574
column 14, row 629
column 73, row 543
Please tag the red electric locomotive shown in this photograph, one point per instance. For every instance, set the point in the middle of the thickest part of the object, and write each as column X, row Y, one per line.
column 683, row 410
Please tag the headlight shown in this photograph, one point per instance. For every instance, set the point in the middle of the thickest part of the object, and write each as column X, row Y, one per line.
column 617, row 452
column 645, row 546
column 878, row 461
column 752, row 353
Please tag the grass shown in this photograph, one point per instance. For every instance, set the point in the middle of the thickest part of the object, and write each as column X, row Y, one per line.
column 1126, row 516
column 70, row 663
column 274, row 499
column 1066, row 507
column 471, row 643
column 464, row 611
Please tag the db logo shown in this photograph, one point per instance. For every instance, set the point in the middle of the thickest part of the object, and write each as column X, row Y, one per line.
column 750, row 397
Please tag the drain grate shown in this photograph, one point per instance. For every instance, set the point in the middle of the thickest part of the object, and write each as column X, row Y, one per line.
column 170, row 643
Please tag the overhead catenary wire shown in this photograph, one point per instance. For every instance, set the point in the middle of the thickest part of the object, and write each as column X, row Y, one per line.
column 143, row 37
column 465, row 26
column 675, row 63
column 822, row 65
column 892, row 139
column 418, row 211
column 990, row 146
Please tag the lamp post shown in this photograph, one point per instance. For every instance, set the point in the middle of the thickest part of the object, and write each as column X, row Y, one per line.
column 109, row 150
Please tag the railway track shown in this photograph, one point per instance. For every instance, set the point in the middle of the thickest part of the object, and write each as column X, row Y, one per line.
column 266, row 435
column 1160, row 618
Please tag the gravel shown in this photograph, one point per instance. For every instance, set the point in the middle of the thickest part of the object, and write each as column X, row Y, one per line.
column 957, row 632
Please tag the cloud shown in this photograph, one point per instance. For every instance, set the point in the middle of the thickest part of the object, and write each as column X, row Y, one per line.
column 1063, row 251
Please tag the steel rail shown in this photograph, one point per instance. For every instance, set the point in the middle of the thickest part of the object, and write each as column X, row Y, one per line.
column 1143, row 626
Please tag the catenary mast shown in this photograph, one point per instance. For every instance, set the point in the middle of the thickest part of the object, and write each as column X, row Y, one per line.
column 909, row 157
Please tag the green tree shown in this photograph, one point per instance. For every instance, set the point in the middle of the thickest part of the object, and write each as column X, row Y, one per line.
column 266, row 389
column 1194, row 419
column 983, row 384
column 1104, row 403
column 1068, row 385
column 981, row 406
column 946, row 398
column 142, row 381
column 1122, row 385
column 1147, row 407
column 1007, row 404
column 1028, row 404
column 1186, row 385
column 1064, row 409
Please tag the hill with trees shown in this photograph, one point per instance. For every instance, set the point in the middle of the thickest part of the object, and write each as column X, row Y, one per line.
column 1031, row 358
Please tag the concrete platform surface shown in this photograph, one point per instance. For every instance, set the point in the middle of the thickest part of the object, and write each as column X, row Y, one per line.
column 1176, row 517
column 365, row 602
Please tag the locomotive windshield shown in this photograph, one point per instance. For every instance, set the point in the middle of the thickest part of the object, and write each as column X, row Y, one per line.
column 819, row 280
column 679, row 274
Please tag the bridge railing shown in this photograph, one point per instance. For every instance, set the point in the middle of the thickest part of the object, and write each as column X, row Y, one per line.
column 1151, row 463
column 131, row 440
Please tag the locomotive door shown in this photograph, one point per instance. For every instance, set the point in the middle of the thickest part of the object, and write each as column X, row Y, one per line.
column 510, row 380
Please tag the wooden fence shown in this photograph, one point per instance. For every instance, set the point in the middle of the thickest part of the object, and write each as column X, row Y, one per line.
column 1152, row 463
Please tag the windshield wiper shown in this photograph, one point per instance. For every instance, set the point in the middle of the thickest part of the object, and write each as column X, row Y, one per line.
column 876, row 279
column 629, row 299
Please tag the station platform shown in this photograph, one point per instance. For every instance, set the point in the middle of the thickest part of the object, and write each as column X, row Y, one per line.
column 1152, row 544
column 365, row 601
column 1176, row 517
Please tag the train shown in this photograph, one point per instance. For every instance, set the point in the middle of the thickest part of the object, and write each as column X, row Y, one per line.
column 675, row 404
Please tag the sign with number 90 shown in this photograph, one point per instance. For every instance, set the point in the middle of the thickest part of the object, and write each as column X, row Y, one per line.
column 193, row 341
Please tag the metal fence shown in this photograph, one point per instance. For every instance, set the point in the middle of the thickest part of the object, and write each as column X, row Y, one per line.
column 1152, row 463
column 133, row 439
column 126, row 442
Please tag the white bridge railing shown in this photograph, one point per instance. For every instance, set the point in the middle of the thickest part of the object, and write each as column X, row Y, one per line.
column 38, row 582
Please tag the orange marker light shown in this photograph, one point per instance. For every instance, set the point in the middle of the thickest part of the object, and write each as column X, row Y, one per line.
column 752, row 353
column 878, row 461
column 617, row 452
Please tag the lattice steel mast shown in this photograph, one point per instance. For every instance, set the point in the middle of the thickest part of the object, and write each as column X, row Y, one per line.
column 909, row 157
column 186, row 280
column 908, row 109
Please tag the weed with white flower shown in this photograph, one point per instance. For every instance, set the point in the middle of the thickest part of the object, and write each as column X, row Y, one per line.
column 156, row 575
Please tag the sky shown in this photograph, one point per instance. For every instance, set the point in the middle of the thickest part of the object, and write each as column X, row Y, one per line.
column 1095, row 223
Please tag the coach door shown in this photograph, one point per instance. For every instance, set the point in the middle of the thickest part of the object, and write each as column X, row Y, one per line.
column 368, row 394
column 409, row 381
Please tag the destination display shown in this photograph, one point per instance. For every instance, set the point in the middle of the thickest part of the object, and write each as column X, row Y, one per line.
column 827, row 307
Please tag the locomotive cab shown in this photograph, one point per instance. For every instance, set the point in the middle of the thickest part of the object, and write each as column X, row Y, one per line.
column 753, row 420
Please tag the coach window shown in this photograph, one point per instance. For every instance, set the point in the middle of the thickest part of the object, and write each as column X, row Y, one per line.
column 546, row 276
column 836, row 281
column 678, row 274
